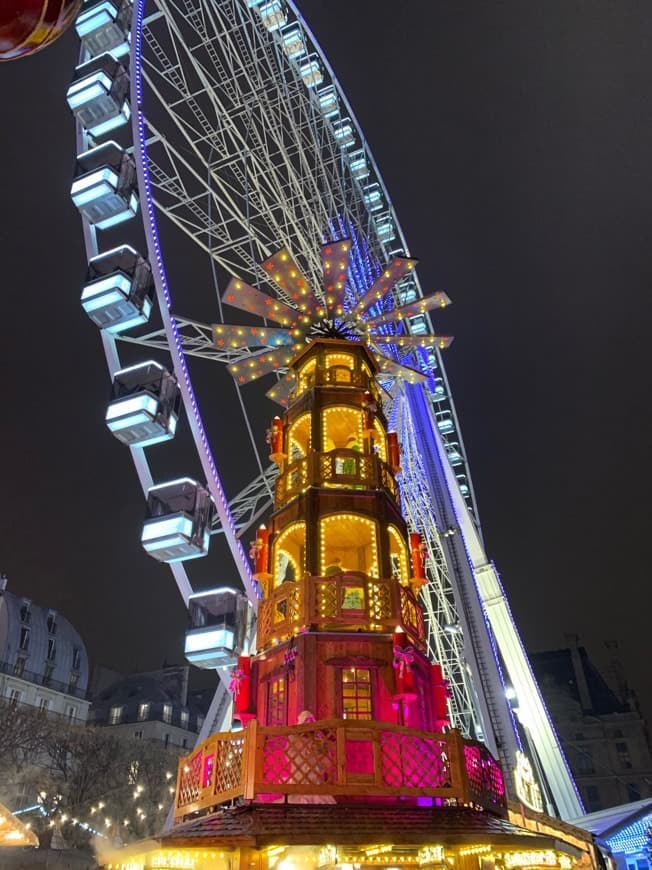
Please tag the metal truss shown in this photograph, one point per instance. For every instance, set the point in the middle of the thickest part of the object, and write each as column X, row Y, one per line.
column 444, row 624
column 251, row 502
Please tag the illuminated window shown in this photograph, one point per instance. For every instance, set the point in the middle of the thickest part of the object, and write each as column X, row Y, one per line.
column 348, row 542
column 184, row 718
column 277, row 701
column 355, row 693
column 299, row 438
column 167, row 712
column 306, row 376
column 115, row 715
column 143, row 712
column 342, row 429
column 289, row 554
column 380, row 440
column 340, row 368
column 398, row 558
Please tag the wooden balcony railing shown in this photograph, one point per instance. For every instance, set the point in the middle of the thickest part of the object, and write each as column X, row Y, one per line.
column 338, row 757
column 350, row 600
column 337, row 468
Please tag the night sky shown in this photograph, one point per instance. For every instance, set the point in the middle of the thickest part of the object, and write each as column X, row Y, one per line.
column 515, row 141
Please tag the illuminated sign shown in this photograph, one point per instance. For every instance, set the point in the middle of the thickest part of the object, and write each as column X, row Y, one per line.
column 430, row 855
column 539, row 858
column 527, row 788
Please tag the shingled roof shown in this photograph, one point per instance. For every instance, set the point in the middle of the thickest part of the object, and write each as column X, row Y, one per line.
column 259, row 826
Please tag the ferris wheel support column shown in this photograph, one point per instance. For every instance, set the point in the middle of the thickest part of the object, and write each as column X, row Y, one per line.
column 531, row 710
column 165, row 304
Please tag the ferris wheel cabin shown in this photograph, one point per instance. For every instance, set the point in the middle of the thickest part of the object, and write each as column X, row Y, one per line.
column 145, row 405
column 119, row 290
column 104, row 27
column 219, row 624
column 104, row 189
column 98, row 95
column 178, row 524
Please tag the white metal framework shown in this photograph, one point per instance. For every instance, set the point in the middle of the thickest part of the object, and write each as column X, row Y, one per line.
column 244, row 143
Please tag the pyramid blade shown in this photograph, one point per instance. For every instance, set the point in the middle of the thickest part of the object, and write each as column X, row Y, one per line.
column 412, row 309
column 440, row 341
column 335, row 262
column 259, row 364
column 396, row 269
column 398, row 370
column 284, row 272
column 247, row 298
column 225, row 335
column 280, row 392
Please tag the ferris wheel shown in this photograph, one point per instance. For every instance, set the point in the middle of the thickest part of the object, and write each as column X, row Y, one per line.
column 213, row 138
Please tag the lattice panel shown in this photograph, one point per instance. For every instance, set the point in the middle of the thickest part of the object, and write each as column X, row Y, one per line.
column 379, row 601
column 484, row 776
column 414, row 762
column 326, row 600
column 228, row 764
column 277, row 768
column 189, row 786
column 265, row 619
column 287, row 605
column 312, row 757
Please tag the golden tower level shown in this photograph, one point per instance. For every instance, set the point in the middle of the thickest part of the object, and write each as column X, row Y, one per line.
column 345, row 760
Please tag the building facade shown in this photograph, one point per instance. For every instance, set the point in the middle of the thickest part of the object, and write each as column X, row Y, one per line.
column 152, row 706
column 43, row 660
column 601, row 729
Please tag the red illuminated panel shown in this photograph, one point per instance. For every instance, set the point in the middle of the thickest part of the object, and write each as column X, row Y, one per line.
column 246, row 298
column 396, row 370
column 280, row 392
column 335, row 262
column 225, row 336
column 398, row 268
column 259, row 364
column 440, row 341
column 284, row 272
column 420, row 306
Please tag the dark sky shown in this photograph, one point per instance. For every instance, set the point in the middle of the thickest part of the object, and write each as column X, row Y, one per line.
column 515, row 140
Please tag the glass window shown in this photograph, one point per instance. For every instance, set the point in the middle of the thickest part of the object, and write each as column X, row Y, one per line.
column 355, row 693
column 184, row 718
column 398, row 557
column 348, row 543
column 26, row 611
column 299, row 438
column 47, row 674
column 43, row 705
column 200, row 721
column 23, row 643
column 115, row 715
column 277, row 701
column 342, row 429
column 14, row 696
column 76, row 658
column 52, row 649
column 340, row 368
column 71, row 712
column 306, row 376
column 289, row 554
column 380, row 440
column 19, row 667
column 74, row 679
column 52, row 622
column 167, row 712
column 143, row 712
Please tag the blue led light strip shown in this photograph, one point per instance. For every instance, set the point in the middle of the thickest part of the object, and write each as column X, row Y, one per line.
column 172, row 332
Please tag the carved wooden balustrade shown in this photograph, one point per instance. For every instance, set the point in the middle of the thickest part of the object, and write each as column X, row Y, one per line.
column 326, row 603
column 337, row 468
column 338, row 757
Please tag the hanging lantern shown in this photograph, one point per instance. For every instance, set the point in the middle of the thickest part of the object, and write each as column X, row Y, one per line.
column 394, row 452
column 440, row 694
column 27, row 26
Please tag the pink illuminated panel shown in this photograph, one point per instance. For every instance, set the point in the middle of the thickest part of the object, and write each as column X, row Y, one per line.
column 391, row 367
column 398, row 268
column 247, row 298
column 285, row 273
column 225, row 335
column 260, row 364
column 420, row 306
column 335, row 262
column 440, row 341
